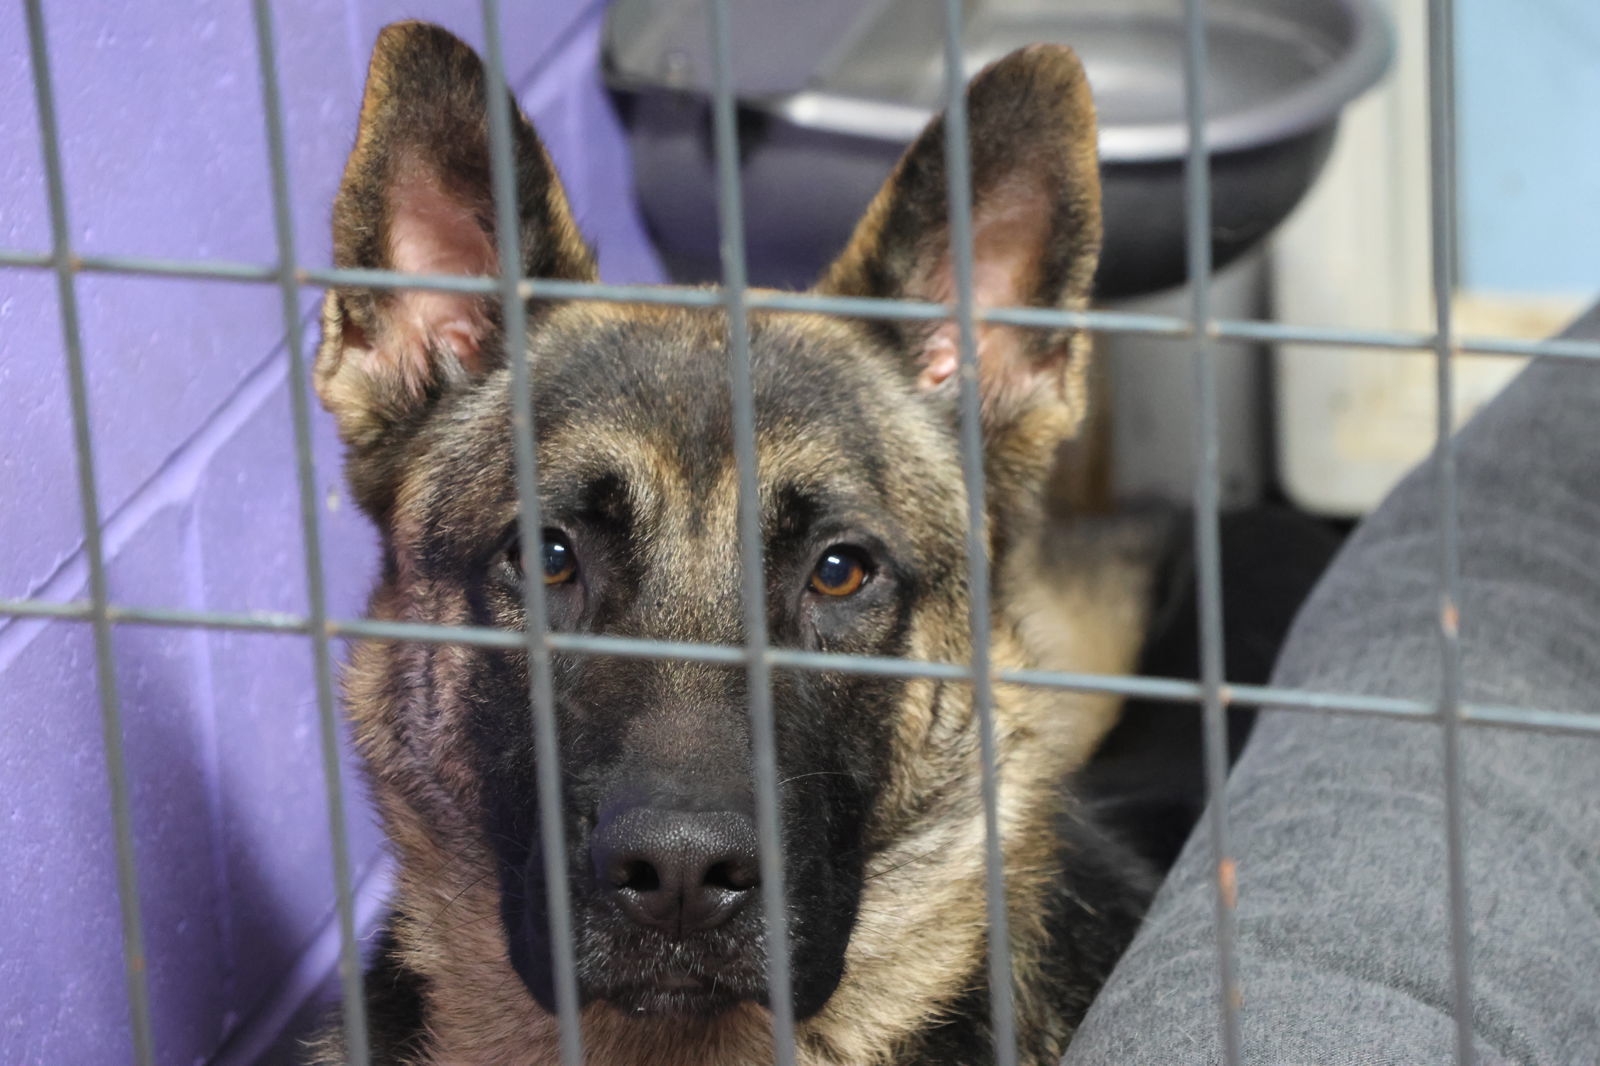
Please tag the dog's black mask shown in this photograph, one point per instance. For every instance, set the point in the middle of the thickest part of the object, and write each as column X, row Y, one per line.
column 662, row 865
column 662, row 858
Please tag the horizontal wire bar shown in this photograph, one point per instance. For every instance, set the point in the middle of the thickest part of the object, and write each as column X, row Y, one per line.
column 259, row 621
column 1349, row 337
column 1109, row 322
column 37, row 260
column 75, row 610
column 1531, row 720
column 1166, row 690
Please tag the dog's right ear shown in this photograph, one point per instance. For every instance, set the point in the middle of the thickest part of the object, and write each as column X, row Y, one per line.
column 417, row 197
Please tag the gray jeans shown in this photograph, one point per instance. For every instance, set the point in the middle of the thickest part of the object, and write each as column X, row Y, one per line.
column 1338, row 823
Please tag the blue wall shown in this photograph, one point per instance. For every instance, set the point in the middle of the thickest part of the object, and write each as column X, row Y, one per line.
column 1528, row 78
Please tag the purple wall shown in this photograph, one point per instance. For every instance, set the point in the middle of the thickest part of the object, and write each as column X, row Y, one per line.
column 165, row 155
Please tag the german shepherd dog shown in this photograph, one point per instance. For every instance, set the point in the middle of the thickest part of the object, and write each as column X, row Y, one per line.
column 863, row 528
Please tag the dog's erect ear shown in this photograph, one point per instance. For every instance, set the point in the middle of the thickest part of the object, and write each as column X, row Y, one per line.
column 1036, row 234
column 417, row 197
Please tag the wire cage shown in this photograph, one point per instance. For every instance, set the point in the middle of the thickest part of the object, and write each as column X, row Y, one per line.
column 1199, row 330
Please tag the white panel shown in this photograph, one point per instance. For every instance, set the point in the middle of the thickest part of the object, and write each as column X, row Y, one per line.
column 1352, row 421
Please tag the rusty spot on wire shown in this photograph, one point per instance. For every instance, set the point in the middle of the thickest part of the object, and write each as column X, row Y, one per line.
column 1228, row 882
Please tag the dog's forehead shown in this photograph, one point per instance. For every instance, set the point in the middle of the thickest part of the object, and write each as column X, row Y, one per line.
column 656, row 383
column 632, row 409
column 672, row 364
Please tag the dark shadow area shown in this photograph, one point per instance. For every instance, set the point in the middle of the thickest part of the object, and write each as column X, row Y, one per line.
column 1147, row 781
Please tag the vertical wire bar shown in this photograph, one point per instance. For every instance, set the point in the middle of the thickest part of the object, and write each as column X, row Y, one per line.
column 355, row 1006
column 958, row 168
column 133, row 947
column 763, row 738
column 1197, row 206
column 1442, row 224
column 536, row 620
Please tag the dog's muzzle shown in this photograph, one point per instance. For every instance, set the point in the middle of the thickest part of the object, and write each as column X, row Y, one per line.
column 674, row 906
column 678, row 872
column 667, row 911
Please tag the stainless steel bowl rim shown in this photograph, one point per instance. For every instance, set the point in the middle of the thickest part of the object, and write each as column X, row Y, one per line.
column 1308, row 107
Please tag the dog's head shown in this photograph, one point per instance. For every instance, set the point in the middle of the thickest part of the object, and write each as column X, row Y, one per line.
column 863, row 528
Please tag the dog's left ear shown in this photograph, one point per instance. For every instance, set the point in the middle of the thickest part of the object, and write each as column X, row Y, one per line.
column 417, row 197
column 1036, row 240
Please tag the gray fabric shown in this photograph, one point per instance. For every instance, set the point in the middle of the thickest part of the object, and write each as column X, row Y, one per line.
column 1338, row 823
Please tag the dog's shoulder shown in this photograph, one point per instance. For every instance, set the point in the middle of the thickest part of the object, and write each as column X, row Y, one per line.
column 1088, row 917
column 396, row 1021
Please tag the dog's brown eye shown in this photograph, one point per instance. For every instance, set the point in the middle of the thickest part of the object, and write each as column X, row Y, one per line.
column 559, row 563
column 557, row 560
column 840, row 572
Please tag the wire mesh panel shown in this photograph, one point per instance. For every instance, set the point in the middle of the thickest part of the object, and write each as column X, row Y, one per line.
column 756, row 657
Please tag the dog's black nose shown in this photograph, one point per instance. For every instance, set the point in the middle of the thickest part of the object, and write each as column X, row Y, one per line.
column 679, row 871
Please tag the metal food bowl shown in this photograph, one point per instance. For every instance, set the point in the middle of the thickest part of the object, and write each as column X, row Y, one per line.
column 832, row 91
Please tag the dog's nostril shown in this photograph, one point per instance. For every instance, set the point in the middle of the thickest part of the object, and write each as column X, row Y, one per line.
column 638, row 875
column 736, row 876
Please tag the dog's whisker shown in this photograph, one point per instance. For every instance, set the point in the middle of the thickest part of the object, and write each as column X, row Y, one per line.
column 813, row 773
column 913, row 860
column 468, row 887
